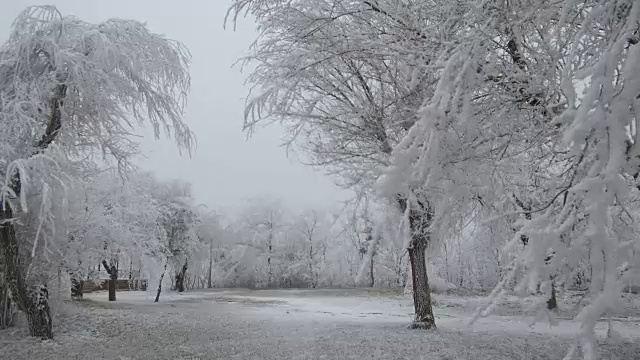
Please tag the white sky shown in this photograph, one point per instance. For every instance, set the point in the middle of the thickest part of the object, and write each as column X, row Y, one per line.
column 226, row 168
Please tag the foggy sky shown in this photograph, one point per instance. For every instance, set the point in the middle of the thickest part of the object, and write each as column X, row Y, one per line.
column 226, row 168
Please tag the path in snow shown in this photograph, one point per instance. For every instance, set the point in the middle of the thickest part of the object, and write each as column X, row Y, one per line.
column 292, row 324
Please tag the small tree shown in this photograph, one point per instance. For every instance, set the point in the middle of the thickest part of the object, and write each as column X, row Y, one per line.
column 313, row 230
column 209, row 232
column 180, row 221
column 263, row 222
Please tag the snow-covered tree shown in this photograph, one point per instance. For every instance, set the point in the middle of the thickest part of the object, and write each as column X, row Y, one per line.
column 72, row 90
column 112, row 220
column 313, row 229
column 180, row 220
column 347, row 79
column 515, row 118
column 264, row 222
column 562, row 78
column 209, row 232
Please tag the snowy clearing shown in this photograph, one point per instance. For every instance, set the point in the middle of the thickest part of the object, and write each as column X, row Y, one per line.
column 296, row 324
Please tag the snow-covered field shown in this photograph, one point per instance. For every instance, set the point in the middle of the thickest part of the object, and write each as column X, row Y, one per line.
column 301, row 324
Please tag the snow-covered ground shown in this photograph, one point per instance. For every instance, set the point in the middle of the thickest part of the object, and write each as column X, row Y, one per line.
column 299, row 324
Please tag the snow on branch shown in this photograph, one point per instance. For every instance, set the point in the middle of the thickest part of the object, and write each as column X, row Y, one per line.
column 72, row 90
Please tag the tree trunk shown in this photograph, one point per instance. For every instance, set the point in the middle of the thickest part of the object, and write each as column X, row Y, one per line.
column 180, row 281
column 372, row 280
column 34, row 305
column 7, row 308
column 209, row 282
column 421, row 297
column 270, row 247
column 76, row 287
column 11, row 256
column 552, row 303
column 180, row 278
column 313, row 285
column 112, row 270
column 39, row 314
column 420, row 218
column 112, row 289
column 160, row 284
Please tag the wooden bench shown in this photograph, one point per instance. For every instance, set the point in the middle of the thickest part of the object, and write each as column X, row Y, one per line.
column 121, row 285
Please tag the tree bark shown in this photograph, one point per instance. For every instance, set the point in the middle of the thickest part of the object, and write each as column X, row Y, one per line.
column 76, row 287
column 420, row 218
column 421, row 296
column 113, row 277
column 180, row 277
column 39, row 314
column 7, row 310
column 112, row 288
column 270, row 247
column 552, row 303
column 160, row 284
column 35, row 304
column 372, row 280
column 209, row 282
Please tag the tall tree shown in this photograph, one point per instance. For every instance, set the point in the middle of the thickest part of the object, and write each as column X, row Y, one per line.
column 180, row 220
column 264, row 223
column 313, row 229
column 527, row 63
column 348, row 92
column 210, row 232
column 72, row 89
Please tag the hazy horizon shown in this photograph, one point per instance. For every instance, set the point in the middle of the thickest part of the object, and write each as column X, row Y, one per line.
column 226, row 169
